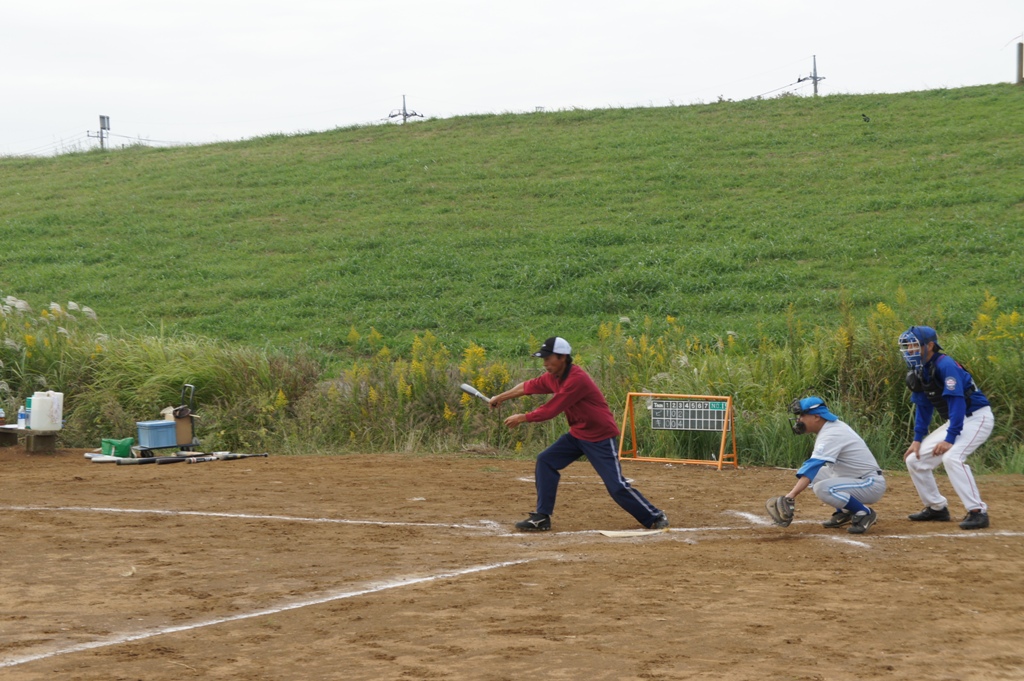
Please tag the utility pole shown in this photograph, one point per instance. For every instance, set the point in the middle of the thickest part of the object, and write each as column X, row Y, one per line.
column 104, row 131
column 403, row 112
column 1020, row 63
column 814, row 76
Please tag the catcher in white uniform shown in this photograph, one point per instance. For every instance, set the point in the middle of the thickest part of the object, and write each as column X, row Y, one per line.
column 841, row 471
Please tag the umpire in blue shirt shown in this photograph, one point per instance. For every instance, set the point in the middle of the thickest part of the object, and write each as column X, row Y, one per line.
column 938, row 383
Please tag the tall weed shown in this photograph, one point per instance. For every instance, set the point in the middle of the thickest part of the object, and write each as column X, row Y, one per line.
column 291, row 402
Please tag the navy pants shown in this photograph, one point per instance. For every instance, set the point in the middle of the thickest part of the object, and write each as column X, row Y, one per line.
column 604, row 457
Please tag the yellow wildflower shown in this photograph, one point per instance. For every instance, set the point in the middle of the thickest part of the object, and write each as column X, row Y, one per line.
column 473, row 358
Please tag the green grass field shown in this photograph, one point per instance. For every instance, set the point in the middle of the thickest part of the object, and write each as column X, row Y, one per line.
column 328, row 292
column 488, row 229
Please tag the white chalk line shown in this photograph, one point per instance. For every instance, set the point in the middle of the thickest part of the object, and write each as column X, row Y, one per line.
column 843, row 540
column 958, row 535
column 492, row 525
column 760, row 521
column 652, row 534
column 752, row 518
column 319, row 600
column 488, row 525
column 484, row 524
column 590, row 480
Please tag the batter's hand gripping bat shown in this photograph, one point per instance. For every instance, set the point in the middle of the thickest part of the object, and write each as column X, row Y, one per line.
column 467, row 388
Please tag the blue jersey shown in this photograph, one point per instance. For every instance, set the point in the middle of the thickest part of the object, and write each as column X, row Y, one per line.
column 955, row 382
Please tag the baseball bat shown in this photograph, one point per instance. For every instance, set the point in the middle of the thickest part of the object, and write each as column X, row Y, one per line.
column 150, row 459
column 231, row 456
column 103, row 458
column 187, row 459
column 467, row 388
column 160, row 460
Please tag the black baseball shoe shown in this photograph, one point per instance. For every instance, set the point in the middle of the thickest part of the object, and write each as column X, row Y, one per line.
column 537, row 522
column 659, row 523
column 838, row 519
column 930, row 513
column 974, row 520
column 862, row 522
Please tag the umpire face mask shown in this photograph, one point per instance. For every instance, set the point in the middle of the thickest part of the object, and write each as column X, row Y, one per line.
column 910, row 348
column 798, row 426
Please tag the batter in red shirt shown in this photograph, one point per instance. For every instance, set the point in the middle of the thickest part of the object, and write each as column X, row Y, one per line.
column 592, row 432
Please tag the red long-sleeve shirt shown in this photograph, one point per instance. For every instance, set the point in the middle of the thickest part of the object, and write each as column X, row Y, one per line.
column 580, row 399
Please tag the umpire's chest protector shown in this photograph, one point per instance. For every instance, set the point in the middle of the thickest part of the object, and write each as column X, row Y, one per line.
column 934, row 388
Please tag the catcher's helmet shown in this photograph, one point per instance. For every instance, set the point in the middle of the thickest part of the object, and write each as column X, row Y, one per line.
column 911, row 342
column 808, row 405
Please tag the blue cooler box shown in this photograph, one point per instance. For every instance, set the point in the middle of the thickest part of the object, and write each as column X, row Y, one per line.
column 156, row 434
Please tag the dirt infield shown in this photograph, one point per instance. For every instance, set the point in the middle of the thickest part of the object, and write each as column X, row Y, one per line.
column 404, row 567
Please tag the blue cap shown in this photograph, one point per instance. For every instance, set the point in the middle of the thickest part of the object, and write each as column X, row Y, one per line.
column 816, row 407
column 925, row 335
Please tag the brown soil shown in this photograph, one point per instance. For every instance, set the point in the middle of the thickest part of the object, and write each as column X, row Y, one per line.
column 91, row 592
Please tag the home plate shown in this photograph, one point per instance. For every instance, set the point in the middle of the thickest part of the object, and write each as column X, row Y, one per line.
column 630, row 533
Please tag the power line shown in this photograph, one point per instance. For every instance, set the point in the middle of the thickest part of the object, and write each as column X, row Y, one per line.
column 54, row 145
column 776, row 89
column 146, row 139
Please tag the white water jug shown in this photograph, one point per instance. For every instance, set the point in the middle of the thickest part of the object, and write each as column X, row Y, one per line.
column 47, row 410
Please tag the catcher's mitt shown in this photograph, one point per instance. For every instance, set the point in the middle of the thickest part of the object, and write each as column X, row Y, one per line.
column 781, row 510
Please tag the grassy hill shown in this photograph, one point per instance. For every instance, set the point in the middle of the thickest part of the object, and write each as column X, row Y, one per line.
column 488, row 229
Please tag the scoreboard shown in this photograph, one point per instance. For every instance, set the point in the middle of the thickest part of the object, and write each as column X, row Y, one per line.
column 688, row 415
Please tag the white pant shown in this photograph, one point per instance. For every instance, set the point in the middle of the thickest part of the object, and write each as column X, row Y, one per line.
column 977, row 428
column 836, row 492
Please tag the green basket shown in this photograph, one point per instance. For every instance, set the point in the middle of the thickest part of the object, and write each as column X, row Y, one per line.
column 122, row 448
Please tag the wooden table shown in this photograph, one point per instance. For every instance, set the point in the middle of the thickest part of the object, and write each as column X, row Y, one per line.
column 35, row 440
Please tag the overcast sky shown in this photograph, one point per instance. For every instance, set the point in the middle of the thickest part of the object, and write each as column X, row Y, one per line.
column 196, row 71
